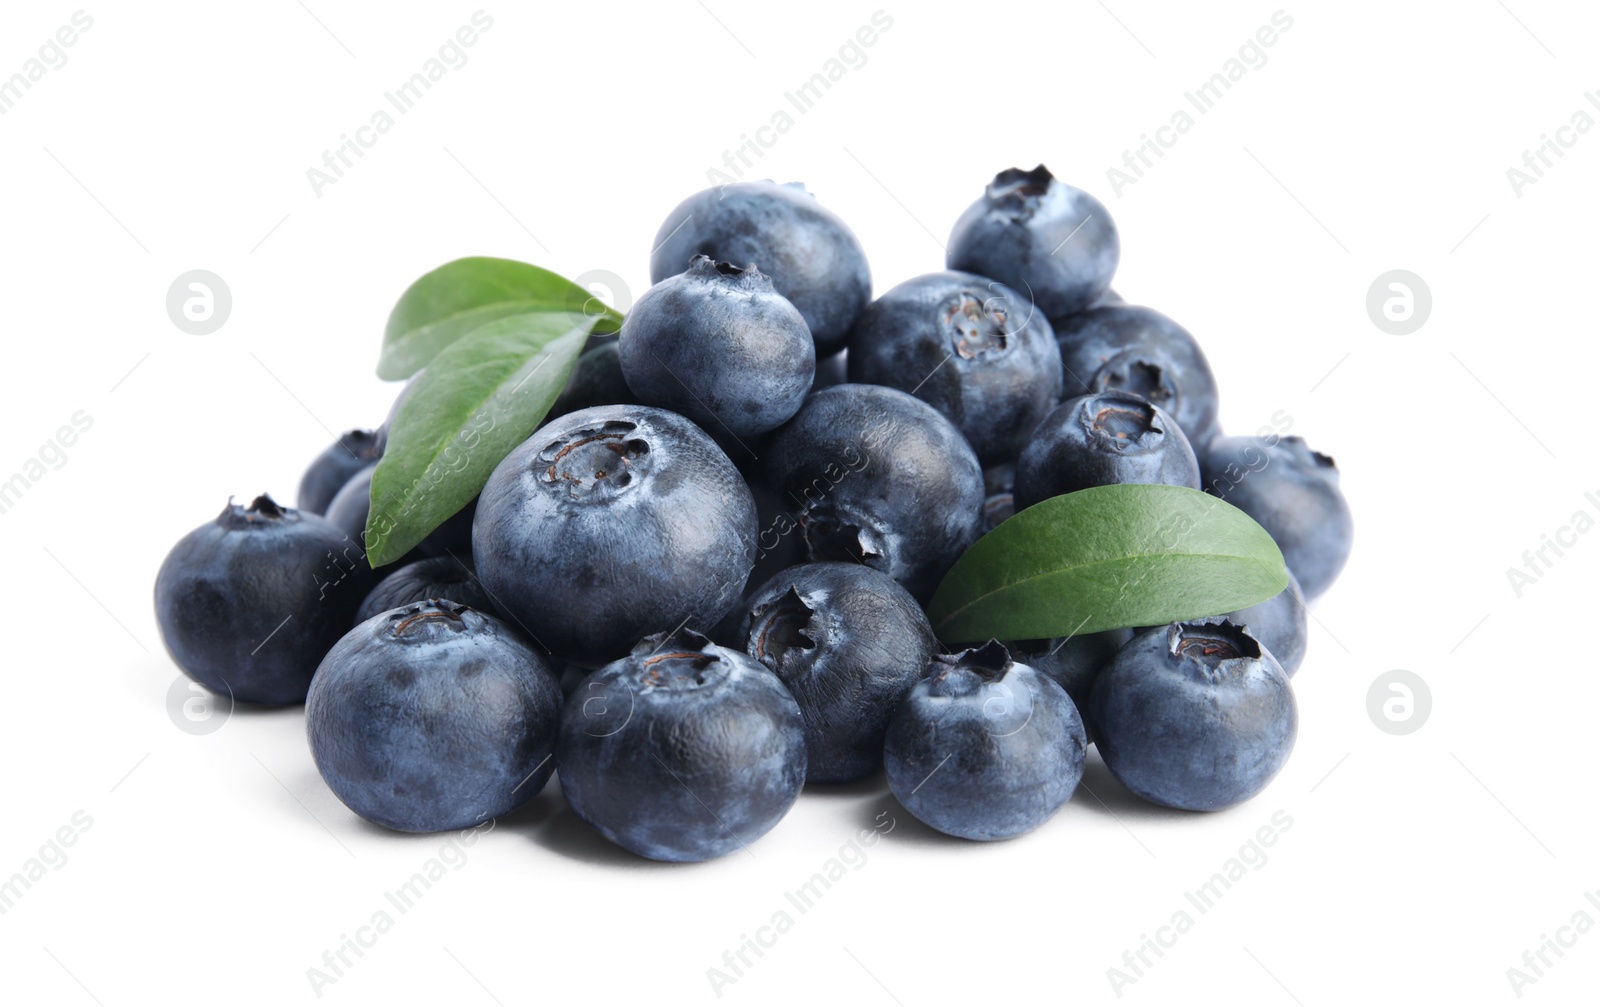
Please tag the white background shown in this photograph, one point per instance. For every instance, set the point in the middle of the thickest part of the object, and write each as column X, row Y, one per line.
column 219, row 868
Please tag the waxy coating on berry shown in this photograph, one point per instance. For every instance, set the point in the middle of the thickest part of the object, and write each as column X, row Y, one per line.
column 1194, row 715
column 719, row 345
column 611, row 523
column 249, row 603
column 984, row 747
column 433, row 716
column 974, row 349
column 1055, row 243
column 683, row 750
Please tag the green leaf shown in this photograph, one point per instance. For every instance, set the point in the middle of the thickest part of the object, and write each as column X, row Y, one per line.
column 480, row 397
column 458, row 297
column 1108, row 557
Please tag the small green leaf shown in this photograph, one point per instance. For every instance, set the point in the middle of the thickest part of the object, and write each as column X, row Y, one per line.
column 1109, row 557
column 460, row 296
column 480, row 397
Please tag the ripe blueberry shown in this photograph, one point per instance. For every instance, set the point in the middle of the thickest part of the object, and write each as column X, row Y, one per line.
column 972, row 348
column 353, row 451
column 1195, row 715
column 439, row 577
column 433, row 716
column 248, row 604
column 848, row 642
column 1292, row 492
column 1103, row 440
column 875, row 476
column 1123, row 347
column 683, row 750
column 812, row 256
column 1053, row 242
column 610, row 523
column 719, row 345
column 983, row 747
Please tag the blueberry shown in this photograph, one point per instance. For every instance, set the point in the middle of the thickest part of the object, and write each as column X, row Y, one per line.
column 1128, row 348
column 1073, row 663
column 1103, row 440
column 877, row 477
column 596, row 380
column 972, row 348
column 813, row 258
column 1196, row 715
column 439, row 577
column 248, row 604
column 351, row 506
column 983, row 747
column 344, row 458
column 719, row 345
column 1292, row 492
column 432, row 717
column 1279, row 623
column 610, row 523
column 683, row 750
column 1053, row 242
column 848, row 642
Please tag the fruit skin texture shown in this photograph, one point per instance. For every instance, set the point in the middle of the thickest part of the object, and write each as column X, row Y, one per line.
column 812, row 256
column 1055, row 243
column 433, row 716
column 1103, row 440
column 1194, row 715
column 877, row 477
column 1136, row 349
column 1280, row 624
column 248, row 604
column 1073, row 663
column 972, row 348
column 610, row 523
column 983, row 747
column 848, row 642
column 719, row 345
column 327, row 474
column 439, row 577
column 1291, row 491
column 683, row 750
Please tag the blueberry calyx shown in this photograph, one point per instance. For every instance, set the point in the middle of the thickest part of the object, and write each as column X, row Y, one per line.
column 1140, row 377
column 595, row 462
column 679, row 660
column 1120, row 421
column 968, row 671
column 785, row 626
column 1214, row 647
column 263, row 510
column 743, row 277
column 426, row 618
column 832, row 536
column 1022, row 189
column 976, row 329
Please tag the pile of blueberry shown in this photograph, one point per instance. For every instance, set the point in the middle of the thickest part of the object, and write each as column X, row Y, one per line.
column 701, row 583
